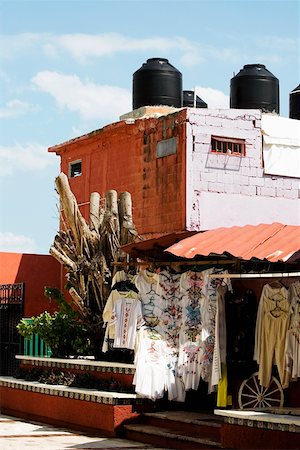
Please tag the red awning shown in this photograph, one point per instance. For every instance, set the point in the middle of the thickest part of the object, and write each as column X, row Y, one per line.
column 273, row 242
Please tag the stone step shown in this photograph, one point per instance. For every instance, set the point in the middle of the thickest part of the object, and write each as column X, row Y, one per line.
column 169, row 438
column 201, row 424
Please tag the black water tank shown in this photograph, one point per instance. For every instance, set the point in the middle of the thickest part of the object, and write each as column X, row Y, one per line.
column 295, row 103
column 254, row 87
column 189, row 100
column 157, row 82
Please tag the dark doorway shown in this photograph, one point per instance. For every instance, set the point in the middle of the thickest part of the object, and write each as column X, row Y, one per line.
column 11, row 312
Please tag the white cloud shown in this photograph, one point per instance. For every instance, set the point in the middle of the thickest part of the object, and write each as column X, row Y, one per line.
column 13, row 44
column 85, row 46
column 102, row 102
column 82, row 46
column 213, row 97
column 276, row 43
column 30, row 156
column 14, row 108
column 10, row 242
column 92, row 101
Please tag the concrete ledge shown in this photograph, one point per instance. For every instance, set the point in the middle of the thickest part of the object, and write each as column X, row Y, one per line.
column 105, row 397
column 75, row 408
column 78, row 364
column 286, row 421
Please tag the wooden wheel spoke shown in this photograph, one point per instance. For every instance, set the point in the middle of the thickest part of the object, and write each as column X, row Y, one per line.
column 249, row 403
column 266, row 389
column 277, row 400
column 250, row 388
column 256, row 384
column 272, row 392
column 265, row 403
column 249, row 395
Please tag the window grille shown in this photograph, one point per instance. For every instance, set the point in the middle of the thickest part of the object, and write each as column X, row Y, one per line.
column 228, row 146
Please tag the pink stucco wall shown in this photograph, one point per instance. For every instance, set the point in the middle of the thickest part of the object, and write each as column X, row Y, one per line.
column 227, row 190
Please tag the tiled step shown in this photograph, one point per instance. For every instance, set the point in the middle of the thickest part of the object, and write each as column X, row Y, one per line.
column 168, row 438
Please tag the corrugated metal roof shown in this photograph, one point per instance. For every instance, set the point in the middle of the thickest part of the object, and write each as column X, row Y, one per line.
column 154, row 247
column 273, row 242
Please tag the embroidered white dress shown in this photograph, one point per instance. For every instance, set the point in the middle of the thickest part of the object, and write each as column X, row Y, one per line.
column 150, row 359
column 190, row 349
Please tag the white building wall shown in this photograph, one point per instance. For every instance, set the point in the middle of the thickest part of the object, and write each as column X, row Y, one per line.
column 227, row 190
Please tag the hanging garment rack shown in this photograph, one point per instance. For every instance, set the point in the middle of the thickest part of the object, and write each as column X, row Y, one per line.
column 202, row 263
column 171, row 263
column 255, row 275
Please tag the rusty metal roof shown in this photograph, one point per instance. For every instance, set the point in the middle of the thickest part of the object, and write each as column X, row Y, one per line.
column 273, row 242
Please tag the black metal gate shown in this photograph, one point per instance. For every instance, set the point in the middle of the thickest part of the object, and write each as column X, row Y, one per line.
column 11, row 312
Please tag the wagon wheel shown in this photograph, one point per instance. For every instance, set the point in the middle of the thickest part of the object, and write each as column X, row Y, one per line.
column 252, row 395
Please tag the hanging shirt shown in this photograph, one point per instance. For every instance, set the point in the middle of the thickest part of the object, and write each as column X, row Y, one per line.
column 148, row 285
column 123, row 315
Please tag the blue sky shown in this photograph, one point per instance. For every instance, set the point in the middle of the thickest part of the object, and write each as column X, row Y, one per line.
column 66, row 69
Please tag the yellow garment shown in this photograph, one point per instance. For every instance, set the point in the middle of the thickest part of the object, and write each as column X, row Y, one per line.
column 223, row 399
column 271, row 328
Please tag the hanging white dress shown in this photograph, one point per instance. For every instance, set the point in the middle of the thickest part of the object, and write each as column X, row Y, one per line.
column 151, row 367
column 190, row 344
column 171, row 317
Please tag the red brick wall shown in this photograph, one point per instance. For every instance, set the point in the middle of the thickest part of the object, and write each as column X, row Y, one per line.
column 123, row 157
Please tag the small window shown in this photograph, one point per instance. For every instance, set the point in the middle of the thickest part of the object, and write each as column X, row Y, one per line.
column 166, row 147
column 75, row 169
column 228, row 146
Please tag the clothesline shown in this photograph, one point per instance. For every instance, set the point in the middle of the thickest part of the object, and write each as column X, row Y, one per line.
column 170, row 263
column 256, row 275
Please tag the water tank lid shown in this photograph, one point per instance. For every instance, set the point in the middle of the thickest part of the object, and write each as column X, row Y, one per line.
column 297, row 89
column 157, row 64
column 254, row 70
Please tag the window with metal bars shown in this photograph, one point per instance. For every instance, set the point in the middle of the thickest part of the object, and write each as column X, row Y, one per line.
column 228, row 146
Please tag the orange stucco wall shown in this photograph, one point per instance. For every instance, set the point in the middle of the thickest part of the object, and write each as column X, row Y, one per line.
column 65, row 411
column 122, row 156
column 36, row 271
